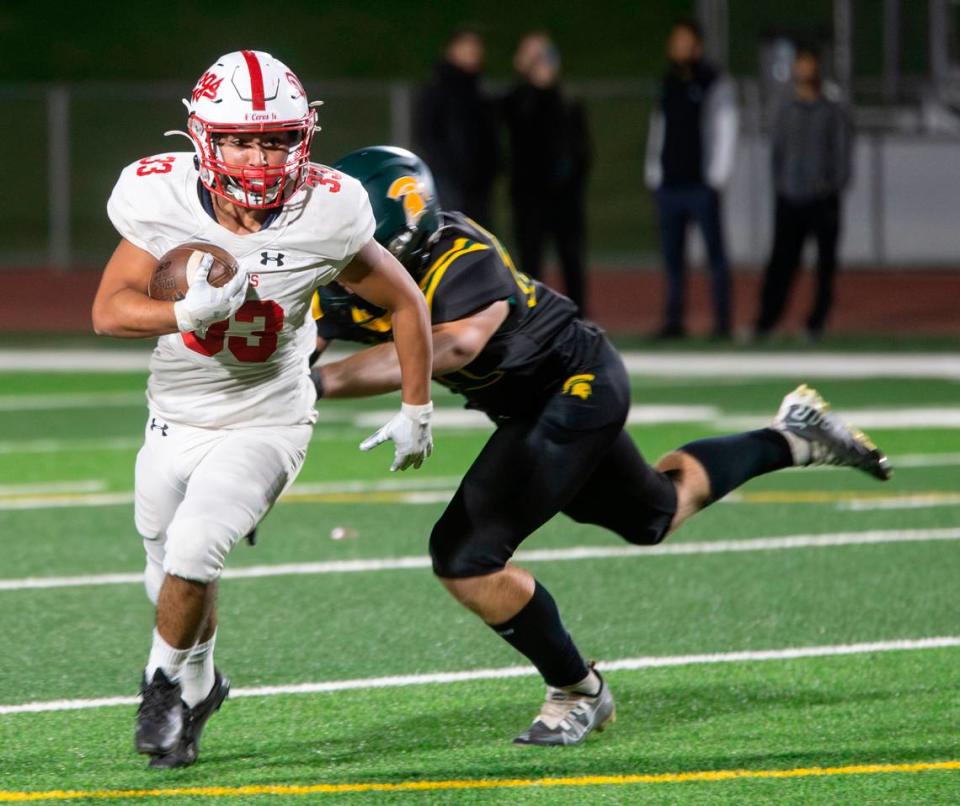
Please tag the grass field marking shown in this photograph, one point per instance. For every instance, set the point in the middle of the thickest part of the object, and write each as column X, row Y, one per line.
column 674, row 364
column 574, row 553
column 701, row 776
column 78, row 400
column 847, row 499
column 506, row 672
column 917, row 501
column 62, row 500
column 899, row 461
column 441, row 490
column 66, row 445
column 793, row 365
column 46, row 487
column 891, row 417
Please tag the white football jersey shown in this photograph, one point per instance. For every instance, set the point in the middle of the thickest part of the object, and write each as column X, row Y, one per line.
column 250, row 369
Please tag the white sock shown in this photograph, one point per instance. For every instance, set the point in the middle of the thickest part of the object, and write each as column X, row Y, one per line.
column 196, row 680
column 163, row 656
column 590, row 685
column 800, row 448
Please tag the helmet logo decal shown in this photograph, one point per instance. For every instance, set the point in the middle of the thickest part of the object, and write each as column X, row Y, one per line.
column 295, row 83
column 207, row 87
column 256, row 80
column 413, row 196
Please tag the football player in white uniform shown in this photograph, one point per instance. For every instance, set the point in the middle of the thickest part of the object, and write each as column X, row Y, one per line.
column 230, row 396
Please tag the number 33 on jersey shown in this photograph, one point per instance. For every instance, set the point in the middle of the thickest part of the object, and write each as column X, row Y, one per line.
column 250, row 369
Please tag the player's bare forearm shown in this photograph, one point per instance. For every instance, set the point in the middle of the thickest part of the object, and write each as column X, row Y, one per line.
column 129, row 314
column 378, row 277
column 412, row 338
column 121, row 307
column 376, row 370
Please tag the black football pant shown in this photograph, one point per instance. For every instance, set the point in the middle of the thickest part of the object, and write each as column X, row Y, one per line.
column 793, row 224
column 574, row 457
column 557, row 217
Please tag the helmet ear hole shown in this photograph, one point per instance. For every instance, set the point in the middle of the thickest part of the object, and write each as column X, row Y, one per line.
column 399, row 243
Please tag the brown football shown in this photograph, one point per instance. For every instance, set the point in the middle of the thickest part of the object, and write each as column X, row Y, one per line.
column 176, row 270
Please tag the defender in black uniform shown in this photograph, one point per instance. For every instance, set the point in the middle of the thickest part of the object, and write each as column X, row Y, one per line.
column 559, row 395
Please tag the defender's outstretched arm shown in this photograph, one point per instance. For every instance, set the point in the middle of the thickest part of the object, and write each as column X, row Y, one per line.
column 376, row 370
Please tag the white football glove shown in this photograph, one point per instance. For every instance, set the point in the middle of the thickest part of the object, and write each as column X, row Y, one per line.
column 410, row 431
column 204, row 304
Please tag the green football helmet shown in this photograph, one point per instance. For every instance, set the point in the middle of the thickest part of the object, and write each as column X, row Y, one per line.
column 403, row 197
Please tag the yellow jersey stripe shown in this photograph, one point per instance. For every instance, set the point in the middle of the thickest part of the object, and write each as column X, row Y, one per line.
column 430, row 281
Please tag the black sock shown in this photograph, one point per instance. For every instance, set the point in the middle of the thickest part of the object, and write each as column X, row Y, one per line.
column 538, row 633
column 731, row 461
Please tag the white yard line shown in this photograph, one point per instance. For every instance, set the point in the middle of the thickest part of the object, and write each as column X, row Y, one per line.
column 818, row 364
column 64, row 500
column 574, row 553
column 918, row 501
column 88, row 486
column 912, row 417
column 87, row 400
column 436, row 678
column 65, row 445
column 800, row 365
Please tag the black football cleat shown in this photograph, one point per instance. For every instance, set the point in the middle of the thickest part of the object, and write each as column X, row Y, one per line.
column 188, row 748
column 160, row 717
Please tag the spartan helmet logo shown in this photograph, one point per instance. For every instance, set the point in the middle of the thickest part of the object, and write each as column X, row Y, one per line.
column 413, row 195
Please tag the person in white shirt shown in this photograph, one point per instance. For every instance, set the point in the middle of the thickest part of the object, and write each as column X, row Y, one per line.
column 230, row 395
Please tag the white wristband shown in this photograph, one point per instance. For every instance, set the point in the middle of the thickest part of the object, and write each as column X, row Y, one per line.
column 419, row 414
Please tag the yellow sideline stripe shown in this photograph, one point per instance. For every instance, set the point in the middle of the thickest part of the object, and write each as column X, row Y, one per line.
column 481, row 783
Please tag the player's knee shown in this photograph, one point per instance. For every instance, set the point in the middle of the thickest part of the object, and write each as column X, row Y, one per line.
column 458, row 556
column 650, row 532
column 196, row 548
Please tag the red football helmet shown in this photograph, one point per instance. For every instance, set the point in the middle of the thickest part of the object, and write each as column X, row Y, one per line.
column 250, row 92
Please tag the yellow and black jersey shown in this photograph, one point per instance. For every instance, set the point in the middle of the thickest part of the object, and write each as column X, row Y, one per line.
column 467, row 270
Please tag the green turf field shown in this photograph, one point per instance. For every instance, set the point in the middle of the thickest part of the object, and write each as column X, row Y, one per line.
column 853, row 573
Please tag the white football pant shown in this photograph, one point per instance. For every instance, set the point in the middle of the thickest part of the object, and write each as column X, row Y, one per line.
column 200, row 490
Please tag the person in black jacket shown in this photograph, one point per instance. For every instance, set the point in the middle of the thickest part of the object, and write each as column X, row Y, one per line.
column 550, row 159
column 455, row 128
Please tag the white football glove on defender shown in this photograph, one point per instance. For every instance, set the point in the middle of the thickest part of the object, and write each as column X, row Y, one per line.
column 410, row 432
column 204, row 304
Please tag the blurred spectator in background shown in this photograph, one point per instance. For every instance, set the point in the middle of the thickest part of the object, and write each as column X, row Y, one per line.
column 550, row 159
column 690, row 150
column 811, row 145
column 455, row 128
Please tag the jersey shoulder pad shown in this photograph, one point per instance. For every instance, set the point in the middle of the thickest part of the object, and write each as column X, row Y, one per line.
column 464, row 277
column 334, row 212
column 149, row 198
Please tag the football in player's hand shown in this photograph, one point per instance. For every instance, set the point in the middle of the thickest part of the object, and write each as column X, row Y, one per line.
column 178, row 267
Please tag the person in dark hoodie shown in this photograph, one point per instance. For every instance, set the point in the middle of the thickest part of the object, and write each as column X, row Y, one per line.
column 690, row 151
column 455, row 128
column 549, row 162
